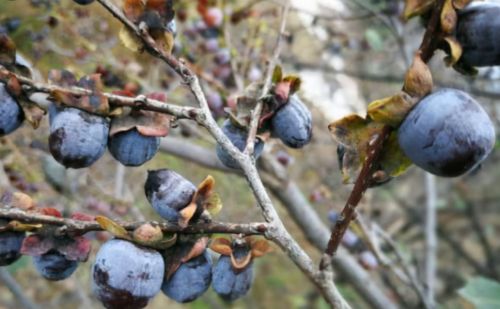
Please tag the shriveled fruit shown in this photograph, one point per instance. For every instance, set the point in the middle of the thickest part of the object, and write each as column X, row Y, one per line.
column 190, row 280
column 239, row 139
column 132, row 148
column 77, row 139
column 54, row 266
column 125, row 275
column 11, row 114
column 477, row 31
column 292, row 123
column 168, row 192
column 447, row 133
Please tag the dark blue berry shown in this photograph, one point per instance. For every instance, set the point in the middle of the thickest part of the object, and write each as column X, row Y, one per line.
column 10, row 247
column 132, row 148
column 77, row 139
column 447, row 133
column 231, row 284
column 54, row 266
column 292, row 123
column 190, row 280
column 239, row 139
column 168, row 193
column 11, row 114
column 125, row 275
column 477, row 32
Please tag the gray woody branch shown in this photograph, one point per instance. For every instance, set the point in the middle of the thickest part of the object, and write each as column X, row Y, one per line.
column 277, row 231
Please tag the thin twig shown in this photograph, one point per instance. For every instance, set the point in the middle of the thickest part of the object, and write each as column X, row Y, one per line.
column 430, row 238
column 15, row 289
column 257, row 111
column 406, row 269
column 76, row 227
column 30, row 86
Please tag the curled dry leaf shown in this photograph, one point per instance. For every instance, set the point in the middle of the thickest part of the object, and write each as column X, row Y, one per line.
column 147, row 123
column 95, row 102
column 354, row 133
column 416, row 7
column 112, row 227
column 221, row 245
column 206, row 198
column 74, row 249
column 198, row 248
column 418, row 79
column 182, row 252
column 186, row 214
column 260, row 247
column 49, row 211
column 35, row 245
column 7, row 50
column 32, row 112
column 391, row 111
column 454, row 51
column 448, row 17
column 82, row 217
column 133, row 9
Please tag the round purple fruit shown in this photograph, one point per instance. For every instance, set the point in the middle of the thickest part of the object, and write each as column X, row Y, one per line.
column 292, row 123
column 190, row 280
column 77, row 139
column 477, row 32
column 54, row 266
column 125, row 275
column 131, row 148
column 11, row 114
column 10, row 247
column 168, row 193
column 447, row 133
column 238, row 137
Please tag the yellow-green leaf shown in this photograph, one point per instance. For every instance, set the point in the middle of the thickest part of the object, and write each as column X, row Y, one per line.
column 391, row 111
column 112, row 227
column 393, row 161
column 277, row 74
column 23, row 227
column 130, row 40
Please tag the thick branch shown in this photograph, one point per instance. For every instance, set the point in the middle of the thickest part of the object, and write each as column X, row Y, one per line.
column 73, row 227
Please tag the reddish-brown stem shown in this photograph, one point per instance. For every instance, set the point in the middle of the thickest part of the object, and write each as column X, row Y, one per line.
column 430, row 43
